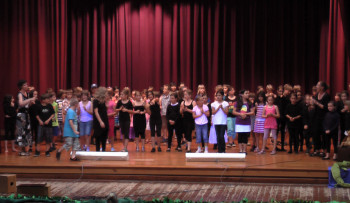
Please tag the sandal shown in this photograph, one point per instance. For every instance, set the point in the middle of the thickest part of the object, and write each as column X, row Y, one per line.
column 74, row 159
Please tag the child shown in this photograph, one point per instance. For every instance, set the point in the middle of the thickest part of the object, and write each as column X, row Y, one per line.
column 342, row 110
column 200, row 114
column 71, row 135
column 243, row 110
column 44, row 117
column 226, row 89
column 252, row 98
column 10, row 121
column 125, row 108
column 173, row 117
column 55, row 125
column 187, row 120
column 139, row 120
column 259, row 120
column 270, row 113
column 61, row 95
column 111, row 112
column 86, row 119
column 293, row 114
column 100, row 119
column 220, row 110
column 164, row 102
column 231, row 119
column 155, row 120
column 330, row 126
column 308, row 122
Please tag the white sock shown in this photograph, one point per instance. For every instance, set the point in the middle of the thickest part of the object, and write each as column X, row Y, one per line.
column 206, row 148
column 199, row 148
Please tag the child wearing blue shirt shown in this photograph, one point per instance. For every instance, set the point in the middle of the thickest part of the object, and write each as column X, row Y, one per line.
column 70, row 133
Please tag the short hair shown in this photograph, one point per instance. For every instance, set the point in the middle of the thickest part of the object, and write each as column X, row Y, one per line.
column 345, row 92
column 220, row 91
column 60, row 93
column 73, row 102
column 20, row 83
column 45, row 96
column 174, row 94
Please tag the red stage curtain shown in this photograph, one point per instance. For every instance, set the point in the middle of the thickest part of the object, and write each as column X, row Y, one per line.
column 336, row 69
column 33, row 41
column 242, row 43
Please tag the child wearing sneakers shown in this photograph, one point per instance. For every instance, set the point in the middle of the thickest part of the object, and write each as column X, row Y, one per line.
column 70, row 133
column 44, row 116
column 200, row 114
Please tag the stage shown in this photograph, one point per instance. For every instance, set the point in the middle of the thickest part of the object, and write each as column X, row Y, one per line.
column 172, row 166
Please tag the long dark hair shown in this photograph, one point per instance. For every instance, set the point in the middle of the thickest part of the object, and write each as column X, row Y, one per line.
column 7, row 100
column 240, row 100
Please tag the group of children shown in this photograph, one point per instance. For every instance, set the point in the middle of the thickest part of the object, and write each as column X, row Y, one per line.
column 77, row 114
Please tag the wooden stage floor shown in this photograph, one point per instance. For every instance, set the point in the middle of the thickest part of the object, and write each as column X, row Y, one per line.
column 172, row 166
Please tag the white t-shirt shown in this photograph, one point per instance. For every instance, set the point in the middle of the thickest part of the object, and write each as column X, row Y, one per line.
column 202, row 119
column 220, row 118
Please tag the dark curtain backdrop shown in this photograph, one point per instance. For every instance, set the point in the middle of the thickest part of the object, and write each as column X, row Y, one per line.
column 242, row 43
column 61, row 44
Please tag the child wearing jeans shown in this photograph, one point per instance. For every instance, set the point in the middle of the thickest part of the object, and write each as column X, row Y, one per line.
column 70, row 133
column 270, row 113
column 200, row 114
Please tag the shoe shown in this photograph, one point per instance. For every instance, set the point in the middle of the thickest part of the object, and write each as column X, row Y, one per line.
column 248, row 143
column 256, row 150
column 266, row 148
column 321, row 154
column 229, row 145
column 283, row 150
column 198, row 151
column 206, row 151
column 188, row 151
column 159, row 149
column 124, row 150
column 87, row 149
column 289, row 152
column 325, row 158
column 261, row 152
column 233, row 144
column 273, row 152
column 47, row 154
column 101, row 149
column 112, row 149
column 153, row 149
column 37, row 153
column 74, row 159
column 30, row 150
column 168, row 150
column 143, row 149
column 179, row 149
column 137, row 149
column 58, row 155
column 252, row 148
column 296, row 152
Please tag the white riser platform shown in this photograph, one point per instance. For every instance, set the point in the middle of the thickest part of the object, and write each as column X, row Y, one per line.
column 103, row 156
column 214, row 157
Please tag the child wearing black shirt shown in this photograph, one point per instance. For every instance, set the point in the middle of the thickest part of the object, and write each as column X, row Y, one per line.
column 44, row 117
column 173, row 118
column 125, row 108
column 293, row 114
column 308, row 122
column 330, row 126
column 10, row 121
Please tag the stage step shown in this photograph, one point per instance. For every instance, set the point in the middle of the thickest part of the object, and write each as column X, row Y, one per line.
column 215, row 157
column 103, row 156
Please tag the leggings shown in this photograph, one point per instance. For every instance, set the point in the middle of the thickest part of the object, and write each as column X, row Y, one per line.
column 243, row 138
column 177, row 129
column 101, row 138
column 293, row 138
column 281, row 123
column 125, row 129
column 334, row 136
column 267, row 132
column 156, row 126
column 187, row 129
column 220, row 136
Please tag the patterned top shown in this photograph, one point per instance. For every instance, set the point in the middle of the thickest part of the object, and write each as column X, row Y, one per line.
column 259, row 120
